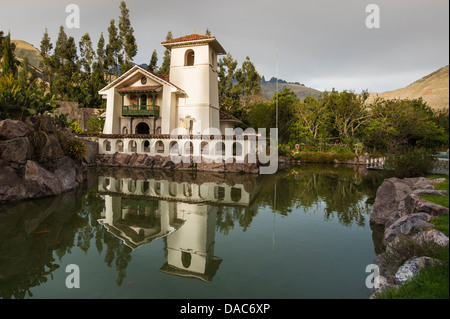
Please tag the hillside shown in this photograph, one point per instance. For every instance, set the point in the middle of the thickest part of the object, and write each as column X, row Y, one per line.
column 433, row 88
column 269, row 88
column 24, row 49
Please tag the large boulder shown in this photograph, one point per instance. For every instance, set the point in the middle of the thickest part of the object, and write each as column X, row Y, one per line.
column 39, row 182
column 15, row 151
column 432, row 236
column 389, row 201
column 10, row 129
column 11, row 185
column 407, row 225
column 412, row 268
column 416, row 204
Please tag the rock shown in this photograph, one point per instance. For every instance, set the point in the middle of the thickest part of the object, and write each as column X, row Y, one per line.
column 388, row 198
column 39, row 182
column 418, row 182
column 437, row 180
column 432, row 235
column 412, row 267
column 41, row 123
column 430, row 192
column 11, row 129
column 407, row 225
column 17, row 150
column 11, row 185
column 66, row 172
column 416, row 204
column 51, row 150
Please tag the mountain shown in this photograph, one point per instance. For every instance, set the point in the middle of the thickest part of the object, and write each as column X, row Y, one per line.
column 269, row 88
column 25, row 49
column 433, row 88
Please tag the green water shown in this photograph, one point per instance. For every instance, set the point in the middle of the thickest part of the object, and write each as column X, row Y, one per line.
column 300, row 233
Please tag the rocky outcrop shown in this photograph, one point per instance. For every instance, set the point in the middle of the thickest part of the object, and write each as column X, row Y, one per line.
column 160, row 162
column 33, row 162
column 404, row 214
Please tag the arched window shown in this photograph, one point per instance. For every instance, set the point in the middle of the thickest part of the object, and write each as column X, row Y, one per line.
column 189, row 58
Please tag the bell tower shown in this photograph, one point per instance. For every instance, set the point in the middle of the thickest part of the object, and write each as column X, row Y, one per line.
column 193, row 68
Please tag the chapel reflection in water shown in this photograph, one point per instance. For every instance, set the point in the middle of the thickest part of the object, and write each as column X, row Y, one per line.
column 142, row 209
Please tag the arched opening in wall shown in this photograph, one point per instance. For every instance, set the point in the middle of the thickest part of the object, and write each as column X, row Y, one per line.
column 119, row 146
column 159, row 147
column 188, row 149
column 124, row 130
column 146, row 146
column 204, row 146
column 142, row 128
column 106, row 184
column 237, row 149
column 107, row 145
column 186, row 259
column 236, row 194
column 145, row 187
column 131, row 184
column 173, row 189
column 158, row 130
column 189, row 58
column 220, row 148
column 187, row 190
column 158, row 188
column 132, row 146
column 219, row 192
column 173, row 148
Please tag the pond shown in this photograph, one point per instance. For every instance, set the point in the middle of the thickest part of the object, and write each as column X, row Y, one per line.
column 303, row 232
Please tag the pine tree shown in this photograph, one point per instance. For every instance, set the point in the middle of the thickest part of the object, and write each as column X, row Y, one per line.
column 153, row 62
column 165, row 67
column 113, row 48
column 101, row 54
column 87, row 53
column 126, row 35
column 9, row 65
column 45, row 63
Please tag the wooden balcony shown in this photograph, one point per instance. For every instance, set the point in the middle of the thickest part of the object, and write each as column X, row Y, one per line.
column 140, row 110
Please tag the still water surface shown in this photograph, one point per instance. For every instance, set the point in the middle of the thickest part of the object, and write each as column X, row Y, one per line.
column 300, row 233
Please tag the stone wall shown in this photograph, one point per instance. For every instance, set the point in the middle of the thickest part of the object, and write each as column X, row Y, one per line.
column 81, row 115
column 441, row 166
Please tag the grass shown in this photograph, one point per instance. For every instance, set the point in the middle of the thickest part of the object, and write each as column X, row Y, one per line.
column 432, row 282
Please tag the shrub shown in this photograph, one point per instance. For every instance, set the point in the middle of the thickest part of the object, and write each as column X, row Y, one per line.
column 76, row 149
column 411, row 163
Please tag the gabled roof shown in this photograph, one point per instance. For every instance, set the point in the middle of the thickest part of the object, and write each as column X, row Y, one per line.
column 193, row 39
column 228, row 117
column 158, row 78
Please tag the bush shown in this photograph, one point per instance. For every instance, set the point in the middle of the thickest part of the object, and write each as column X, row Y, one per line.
column 411, row 163
column 76, row 149
column 321, row 157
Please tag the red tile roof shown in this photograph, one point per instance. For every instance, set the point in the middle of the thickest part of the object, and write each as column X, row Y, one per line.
column 190, row 37
column 228, row 117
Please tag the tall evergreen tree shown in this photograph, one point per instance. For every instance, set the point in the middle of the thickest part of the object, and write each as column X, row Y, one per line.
column 249, row 81
column 126, row 35
column 113, row 48
column 46, row 62
column 87, row 53
column 228, row 94
column 101, row 54
column 153, row 62
column 165, row 67
column 9, row 65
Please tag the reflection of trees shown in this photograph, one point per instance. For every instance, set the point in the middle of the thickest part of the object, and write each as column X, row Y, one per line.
column 227, row 216
column 342, row 190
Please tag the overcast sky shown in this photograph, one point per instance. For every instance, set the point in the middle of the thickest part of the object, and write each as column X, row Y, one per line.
column 324, row 44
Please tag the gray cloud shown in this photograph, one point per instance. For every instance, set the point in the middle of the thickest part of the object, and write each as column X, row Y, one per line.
column 321, row 43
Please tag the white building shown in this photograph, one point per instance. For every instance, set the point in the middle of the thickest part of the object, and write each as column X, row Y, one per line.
column 141, row 102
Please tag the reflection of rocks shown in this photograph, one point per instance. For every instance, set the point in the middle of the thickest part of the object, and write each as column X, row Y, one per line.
column 30, row 232
column 32, row 160
column 165, row 163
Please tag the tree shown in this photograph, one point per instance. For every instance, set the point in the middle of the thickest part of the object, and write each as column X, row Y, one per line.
column 127, row 37
column 249, row 82
column 45, row 63
column 152, row 66
column 228, row 92
column 27, row 75
column 87, row 53
column 208, row 32
column 101, row 54
column 9, row 65
column 313, row 114
column 113, row 48
column 165, row 66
